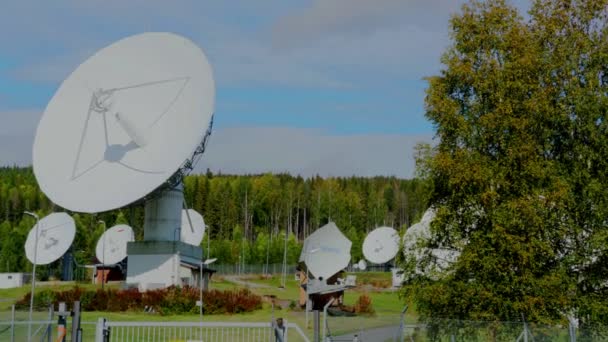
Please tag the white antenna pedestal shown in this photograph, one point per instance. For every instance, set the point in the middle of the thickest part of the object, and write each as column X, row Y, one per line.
column 163, row 216
column 162, row 260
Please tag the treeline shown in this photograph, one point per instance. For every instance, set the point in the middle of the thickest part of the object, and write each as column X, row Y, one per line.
column 246, row 216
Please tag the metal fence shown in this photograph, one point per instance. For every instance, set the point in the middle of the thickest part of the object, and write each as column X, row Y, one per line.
column 233, row 269
column 193, row 331
column 457, row 330
column 15, row 326
column 389, row 327
column 380, row 327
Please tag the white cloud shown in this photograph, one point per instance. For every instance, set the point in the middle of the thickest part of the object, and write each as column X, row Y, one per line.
column 260, row 149
column 308, row 152
column 360, row 17
column 17, row 136
column 329, row 43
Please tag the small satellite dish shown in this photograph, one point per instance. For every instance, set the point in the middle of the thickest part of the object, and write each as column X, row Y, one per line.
column 326, row 251
column 362, row 265
column 112, row 245
column 210, row 261
column 192, row 234
column 55, row 236
column 381, row 245
column 124, row 122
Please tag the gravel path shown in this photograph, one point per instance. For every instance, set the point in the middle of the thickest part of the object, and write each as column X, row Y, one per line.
column 239, row 281
column 371, row 335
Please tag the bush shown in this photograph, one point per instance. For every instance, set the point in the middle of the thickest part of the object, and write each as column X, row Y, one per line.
column 364, row 305
column 169, row 301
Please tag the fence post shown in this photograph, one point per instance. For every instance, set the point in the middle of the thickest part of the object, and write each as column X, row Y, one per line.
column 49, row 330
column 324, row 336
column 76, row 331
column 572, row 331
column 99, row 328
column 316, row 323
column 13, row 323
column 402, row 323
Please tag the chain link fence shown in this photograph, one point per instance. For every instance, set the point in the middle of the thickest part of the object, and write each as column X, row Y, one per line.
column 393, row 327
column 237, row 269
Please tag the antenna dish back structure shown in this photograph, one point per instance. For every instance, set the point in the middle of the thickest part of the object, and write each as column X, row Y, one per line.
column 192, row 234
column 55, row 236
column 381, row 245
column 112, row 245
column 125, row 123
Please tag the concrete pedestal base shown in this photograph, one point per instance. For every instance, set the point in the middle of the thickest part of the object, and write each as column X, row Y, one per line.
column 160, row 264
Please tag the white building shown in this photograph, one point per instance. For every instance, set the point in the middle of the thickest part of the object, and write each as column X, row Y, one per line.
column 10, row 280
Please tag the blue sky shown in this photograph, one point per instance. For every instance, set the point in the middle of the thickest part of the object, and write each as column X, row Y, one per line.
column 342, row 75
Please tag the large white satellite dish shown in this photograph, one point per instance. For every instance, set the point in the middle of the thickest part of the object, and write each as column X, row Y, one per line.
column 381, row 245
column 124, row 122
column 326, row 251
column 421, row 232
column 192, row 234
column 55, row 236
column 112, row 245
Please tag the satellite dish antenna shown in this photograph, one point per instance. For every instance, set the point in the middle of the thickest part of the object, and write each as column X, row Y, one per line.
column 209, row 261
column 55, row 236
column 362, row 265
column 193, row 227
column 112, row 245
column 130, row 119
column 421, row 232
column 326, row 251
column 381, row 245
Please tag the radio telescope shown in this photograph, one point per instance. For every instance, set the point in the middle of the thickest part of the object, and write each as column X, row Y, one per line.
column 112, row 245
column 381, row 245
column 124, row 122
column 56, row 233
column 125, row 127
column 193, row 227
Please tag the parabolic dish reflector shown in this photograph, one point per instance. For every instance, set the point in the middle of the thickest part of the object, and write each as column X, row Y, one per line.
column 112, row 245
column 381, row 245
column 192, row 235
column 420, row 233
column 362, row 265
column 56, row 234
column 124, row 122
column 326, row 251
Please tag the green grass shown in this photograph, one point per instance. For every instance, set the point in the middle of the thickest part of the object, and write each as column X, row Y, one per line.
column 385, row 300
column 386, row 303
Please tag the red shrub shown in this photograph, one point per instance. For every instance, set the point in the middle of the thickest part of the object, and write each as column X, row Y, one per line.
column 169, row 301
column 364, row 305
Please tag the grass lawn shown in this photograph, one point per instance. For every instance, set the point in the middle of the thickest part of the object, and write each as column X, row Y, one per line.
column 386, row 303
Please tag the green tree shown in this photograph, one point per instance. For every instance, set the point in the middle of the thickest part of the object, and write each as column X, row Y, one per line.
column 519, row 174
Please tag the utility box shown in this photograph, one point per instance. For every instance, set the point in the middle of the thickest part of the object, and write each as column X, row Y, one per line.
column 11, row 280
